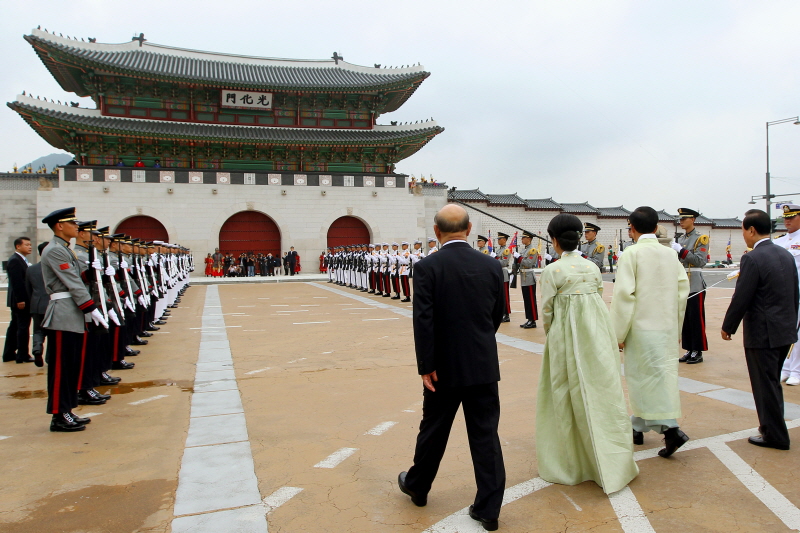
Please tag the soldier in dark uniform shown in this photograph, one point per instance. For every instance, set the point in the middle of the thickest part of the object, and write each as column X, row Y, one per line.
column 64, row 319
column 692, row 248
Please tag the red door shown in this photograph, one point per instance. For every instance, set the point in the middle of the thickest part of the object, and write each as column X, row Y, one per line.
column 143, row 227
column 346, row 231
column 250, row 231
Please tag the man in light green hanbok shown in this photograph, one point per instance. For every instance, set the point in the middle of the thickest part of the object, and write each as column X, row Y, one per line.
column 647, row 311
column 582, row 426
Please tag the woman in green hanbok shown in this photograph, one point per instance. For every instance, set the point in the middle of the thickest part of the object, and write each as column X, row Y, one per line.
column 582, row 427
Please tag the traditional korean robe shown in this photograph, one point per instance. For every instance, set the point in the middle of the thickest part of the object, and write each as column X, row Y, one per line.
column 582, row 427
column 647, row 312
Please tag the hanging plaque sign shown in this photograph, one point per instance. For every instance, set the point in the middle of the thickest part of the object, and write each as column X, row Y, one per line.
column 246, row 99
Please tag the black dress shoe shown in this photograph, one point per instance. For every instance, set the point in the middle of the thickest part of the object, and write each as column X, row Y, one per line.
column 37, row 360
column 419, row 501
column 685, row 356
column 160, row 322
column 138, row 342
column 638, row 437
column 122, row 365
column 387, row 295
column 151, row 327
column 26, row 359
column 85, row 397
column 759, row 441
column 526, row 324
column 696, row 357
column 100, row 395
column 145, row 334
column 131, row 352
column 674, row 438
column 65, row 422
column 506, row 318
column 529, row 324
column 405, row 300
column 106, row 379
column 488, row 525
column 80, row 420
column 395, row 297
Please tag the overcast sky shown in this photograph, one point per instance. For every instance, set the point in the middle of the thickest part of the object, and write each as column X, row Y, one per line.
column 614, row 102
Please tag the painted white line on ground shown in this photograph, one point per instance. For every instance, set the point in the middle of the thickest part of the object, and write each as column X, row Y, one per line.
column 570, row 500
column 335, row 458
column 263, row 298
column 279, row 305
column 280, row 496
column 91, row 414
column 323, row 353
column 2, row 437
column 629, row 512
column 301, row 323
column 760, row 487
column 257, row 371
column 150, row 399
column 293, row 311
column 296, row 360
column 309, row 305
column 368, row 319
column 380, row 429
column 244, row 330
column 320, row 296
column 408, row 410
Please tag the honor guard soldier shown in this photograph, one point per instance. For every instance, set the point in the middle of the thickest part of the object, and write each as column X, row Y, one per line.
column 416, row 255
column 504, row 256
column 404, row 261
column 790, row 373
column 527, row 260
column 387, row 288
column 394, row 269
column 692, row 248
column 69, row 303
column 591, row 249
column 431, row 246
column 482, row 248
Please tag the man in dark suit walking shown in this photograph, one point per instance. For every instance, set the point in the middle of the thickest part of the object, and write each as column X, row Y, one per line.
column 766, row 297
column 37, row 301
column 19, row 329
column 459, row 301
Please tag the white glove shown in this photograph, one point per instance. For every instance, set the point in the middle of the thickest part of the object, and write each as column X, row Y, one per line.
column 142, row 300
column 113, row 316
column 123, row 264
column 96, row 265
column 733, row 275
column 129, row 305
column 492, row 255
column 548, row 257
column 516, row 255
column 98, row 319
column 155, row 293
column 110, row 271
column 677, row 247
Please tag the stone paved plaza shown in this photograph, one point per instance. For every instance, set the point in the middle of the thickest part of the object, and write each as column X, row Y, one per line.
column 293, row 406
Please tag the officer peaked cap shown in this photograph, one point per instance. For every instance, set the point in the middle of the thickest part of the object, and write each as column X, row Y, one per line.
column 588, row 226
column 527, row 234
column 685, row 212
column 482, row 238
column 791, row 210
column 60, row 215
column 501, row 235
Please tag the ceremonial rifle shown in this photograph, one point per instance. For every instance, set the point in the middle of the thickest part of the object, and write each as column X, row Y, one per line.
column 98, row 280
column 113, row 283
column 125, row 276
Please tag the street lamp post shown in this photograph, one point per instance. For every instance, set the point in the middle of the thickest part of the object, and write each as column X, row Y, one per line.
column 769, row 196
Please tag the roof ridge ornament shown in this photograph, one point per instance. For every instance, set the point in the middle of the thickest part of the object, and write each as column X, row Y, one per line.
column 336, row 57
column 140, row 38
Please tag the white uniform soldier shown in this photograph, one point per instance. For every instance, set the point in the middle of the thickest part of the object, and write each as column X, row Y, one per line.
column 386, row 283
column 404, row 267
column 431, row 246
column 790, row 374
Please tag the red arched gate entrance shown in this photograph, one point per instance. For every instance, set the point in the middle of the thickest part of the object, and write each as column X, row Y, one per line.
column 143, row 227
column 250, row 231
column 346, row 231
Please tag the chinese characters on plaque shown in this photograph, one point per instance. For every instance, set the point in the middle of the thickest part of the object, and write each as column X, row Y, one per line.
column 248, row 99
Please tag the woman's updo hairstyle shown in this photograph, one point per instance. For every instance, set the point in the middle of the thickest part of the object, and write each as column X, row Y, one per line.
column 567, row 229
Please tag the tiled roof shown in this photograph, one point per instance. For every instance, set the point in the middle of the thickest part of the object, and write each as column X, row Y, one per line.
column 164, row 62
column 542, row 203
column 505, row 199
column 727, row 223
column 583, row 208
column 663, row 216
column 467, row 195
column 703, row 220
column 613, row 212
column 91, row 121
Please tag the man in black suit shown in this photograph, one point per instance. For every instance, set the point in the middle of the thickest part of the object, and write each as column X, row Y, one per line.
column 766, row 297
column 37, row 302
column 459, row 301
column 19, row 329
column 292, row 260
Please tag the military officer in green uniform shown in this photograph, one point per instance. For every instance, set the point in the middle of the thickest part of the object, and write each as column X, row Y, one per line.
column 503, row 254
column 591, row 249
column 692, row 248
column 527, row 259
